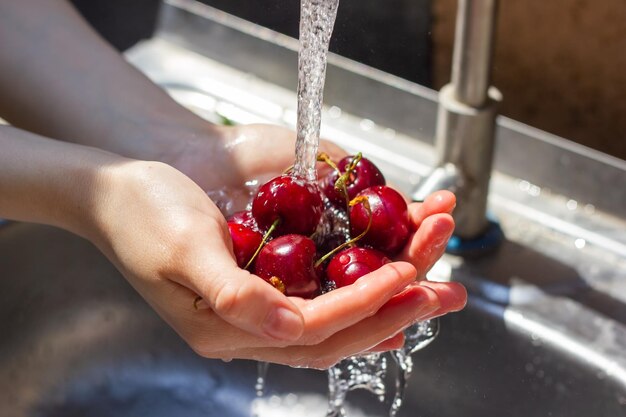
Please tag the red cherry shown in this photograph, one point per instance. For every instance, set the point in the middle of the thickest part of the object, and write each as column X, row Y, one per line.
column 246, row 218
column 288, row 261
column 352, row 263
column 364, row 175
column 390, row 227
column 294, row 201
column 246, row 241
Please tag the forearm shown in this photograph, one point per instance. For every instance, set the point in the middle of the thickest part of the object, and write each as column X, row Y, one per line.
column 51, row 182
column 58, row 78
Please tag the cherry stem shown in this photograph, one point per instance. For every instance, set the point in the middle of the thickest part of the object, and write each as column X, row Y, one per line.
column 323, row 157
column 342, row 182
column 267, row 235
column 357, row 200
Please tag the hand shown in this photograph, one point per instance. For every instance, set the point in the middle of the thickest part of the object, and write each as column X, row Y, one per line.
column 173, row 244
column 159, row 227
column 227, row 156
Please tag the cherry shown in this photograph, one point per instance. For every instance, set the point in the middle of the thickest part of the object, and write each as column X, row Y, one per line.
column 296, row 203
column 352, row 263
column 287, row 263
column 363, row 175
column 389, row 230
column 246, row 241
column 246, row 218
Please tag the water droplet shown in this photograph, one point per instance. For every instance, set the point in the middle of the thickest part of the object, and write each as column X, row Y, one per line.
column 367, row 124
column 524, row 185
column 572, row 204
column 580, row 243
column 534, row 191
column 334, row 112
column 589, row 209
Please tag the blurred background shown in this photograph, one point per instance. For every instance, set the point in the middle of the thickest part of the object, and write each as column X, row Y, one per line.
column 561, row 65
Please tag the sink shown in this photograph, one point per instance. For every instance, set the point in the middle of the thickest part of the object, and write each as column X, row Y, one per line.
column 544, row 332
column 78, row 341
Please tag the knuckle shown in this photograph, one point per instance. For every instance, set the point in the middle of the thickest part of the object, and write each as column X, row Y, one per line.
column 227, row 298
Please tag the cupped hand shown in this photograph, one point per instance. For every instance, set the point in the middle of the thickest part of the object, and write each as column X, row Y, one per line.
column 172, row 243
column 228, row 156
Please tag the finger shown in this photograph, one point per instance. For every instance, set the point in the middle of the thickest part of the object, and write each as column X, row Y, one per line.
column 343, row 307
column 240, row 298
column 404, row 309
column 438, row 202
column 452, row 296
column 428, row 243
column 206, row 332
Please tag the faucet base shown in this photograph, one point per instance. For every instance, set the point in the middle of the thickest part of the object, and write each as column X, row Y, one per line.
column 479, row 246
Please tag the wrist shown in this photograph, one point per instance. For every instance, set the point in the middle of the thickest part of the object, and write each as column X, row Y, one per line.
column 51, row 182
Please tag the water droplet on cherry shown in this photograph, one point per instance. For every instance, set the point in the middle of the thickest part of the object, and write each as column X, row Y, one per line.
column 296, row 202
column 290, row 258
column 390, row 226
column 352, row 263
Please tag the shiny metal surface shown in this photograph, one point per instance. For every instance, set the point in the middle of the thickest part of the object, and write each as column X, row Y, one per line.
column 473, row 51
column 466, row 121
column 544, row 333
column 408, row 109
column 78, row 341
column 465, row 140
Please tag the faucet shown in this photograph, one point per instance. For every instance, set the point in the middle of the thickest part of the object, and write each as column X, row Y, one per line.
column 465, row 133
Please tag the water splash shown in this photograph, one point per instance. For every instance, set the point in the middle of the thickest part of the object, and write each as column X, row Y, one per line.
column 317, row 18
column 416, row 337
column 233, row 199
column 357, row 372
column 368, row 371
column 262, row 368
column 259, row 387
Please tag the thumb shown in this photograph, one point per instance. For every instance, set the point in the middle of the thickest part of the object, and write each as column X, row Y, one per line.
column 250, row 303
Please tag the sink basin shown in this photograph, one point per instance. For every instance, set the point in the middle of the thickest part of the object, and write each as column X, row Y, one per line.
column 78, row 341
column 544, row 333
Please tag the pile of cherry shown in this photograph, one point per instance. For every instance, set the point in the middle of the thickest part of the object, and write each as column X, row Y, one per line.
column 279, row 239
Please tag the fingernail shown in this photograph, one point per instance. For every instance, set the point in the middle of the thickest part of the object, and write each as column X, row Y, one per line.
column 283, row 324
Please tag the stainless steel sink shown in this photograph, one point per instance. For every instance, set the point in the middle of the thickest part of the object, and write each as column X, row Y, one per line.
column 544, row 333
column 78, row 341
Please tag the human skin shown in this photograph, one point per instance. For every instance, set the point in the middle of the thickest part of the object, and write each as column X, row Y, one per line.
column 129, row 170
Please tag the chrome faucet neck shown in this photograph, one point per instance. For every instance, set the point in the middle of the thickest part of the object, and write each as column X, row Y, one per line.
column 465, row 135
